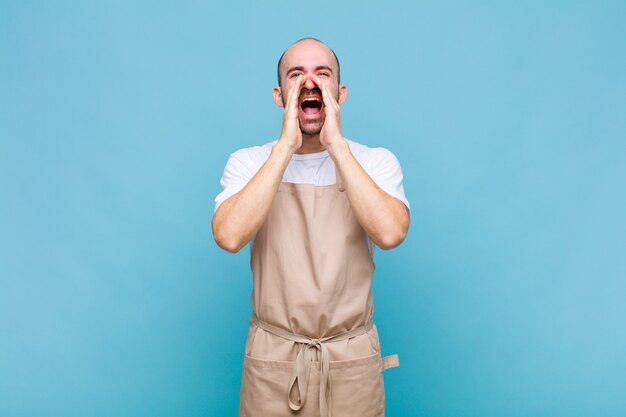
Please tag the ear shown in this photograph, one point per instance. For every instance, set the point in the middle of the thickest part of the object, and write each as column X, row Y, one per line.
column 343, row 94
column 277, row 93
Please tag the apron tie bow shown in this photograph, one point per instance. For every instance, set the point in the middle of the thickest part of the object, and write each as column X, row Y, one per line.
column 302, row 370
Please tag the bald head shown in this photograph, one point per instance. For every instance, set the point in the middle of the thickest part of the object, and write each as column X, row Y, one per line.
column 295, row 50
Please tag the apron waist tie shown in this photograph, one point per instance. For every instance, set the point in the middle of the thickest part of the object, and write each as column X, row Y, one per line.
column 301, row 372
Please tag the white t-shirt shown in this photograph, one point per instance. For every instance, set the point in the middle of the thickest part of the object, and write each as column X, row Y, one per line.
column 313, row 168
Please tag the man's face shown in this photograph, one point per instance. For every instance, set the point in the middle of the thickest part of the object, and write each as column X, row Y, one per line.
column 309, row 59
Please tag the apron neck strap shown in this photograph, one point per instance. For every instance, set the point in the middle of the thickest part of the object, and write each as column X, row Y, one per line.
column 339, row 180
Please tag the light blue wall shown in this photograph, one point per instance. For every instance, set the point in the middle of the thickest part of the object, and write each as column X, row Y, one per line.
column 508, row 297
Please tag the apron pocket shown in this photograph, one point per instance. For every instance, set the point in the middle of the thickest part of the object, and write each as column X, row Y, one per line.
column 357, row 387
column 264, row 389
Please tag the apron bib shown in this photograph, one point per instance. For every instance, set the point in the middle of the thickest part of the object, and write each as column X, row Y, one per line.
column 312, row 349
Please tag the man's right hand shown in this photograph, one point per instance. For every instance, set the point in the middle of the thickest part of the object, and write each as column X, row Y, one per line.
column 291, row 134
column 238, row 218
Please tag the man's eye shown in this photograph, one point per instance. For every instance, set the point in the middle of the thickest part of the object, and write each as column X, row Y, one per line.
column 294, row 75
column 325, row 74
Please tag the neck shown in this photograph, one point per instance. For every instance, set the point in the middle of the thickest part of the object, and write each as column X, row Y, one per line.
column 311, row 144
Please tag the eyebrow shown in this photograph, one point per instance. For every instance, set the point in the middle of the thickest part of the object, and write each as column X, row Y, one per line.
column 318, row 68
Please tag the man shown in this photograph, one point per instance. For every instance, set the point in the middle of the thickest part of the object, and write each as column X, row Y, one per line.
column 313, row 204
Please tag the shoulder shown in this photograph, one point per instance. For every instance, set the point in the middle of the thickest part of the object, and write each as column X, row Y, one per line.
column 383, row 168
column 254, row 153
column 371, row 157
column 242, row 165
column 250, row 159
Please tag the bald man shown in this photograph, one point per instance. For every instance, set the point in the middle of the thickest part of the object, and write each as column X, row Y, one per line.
column 313, row 205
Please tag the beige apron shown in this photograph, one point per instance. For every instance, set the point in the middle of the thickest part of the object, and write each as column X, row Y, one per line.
column 312, row 349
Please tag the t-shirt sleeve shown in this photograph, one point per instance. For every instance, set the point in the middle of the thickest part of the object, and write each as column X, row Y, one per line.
column 240, row 169
column 384, row 168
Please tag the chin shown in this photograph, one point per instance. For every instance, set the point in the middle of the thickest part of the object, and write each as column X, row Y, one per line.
column 310, row 132
column 311, row 129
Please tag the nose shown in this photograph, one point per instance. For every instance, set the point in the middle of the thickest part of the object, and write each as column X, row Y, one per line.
column 309, row 84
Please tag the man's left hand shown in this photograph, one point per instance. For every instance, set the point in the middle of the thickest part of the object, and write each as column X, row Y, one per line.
column 331, row 130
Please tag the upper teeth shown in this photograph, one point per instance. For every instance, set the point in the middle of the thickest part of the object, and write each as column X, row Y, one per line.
column 310, row 99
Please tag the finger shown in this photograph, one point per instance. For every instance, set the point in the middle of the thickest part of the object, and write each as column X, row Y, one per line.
column 322, row 86
column 290, row 94
column 333, row 99
column 329, row 100
column 297, row 90
column 287, row 97
column 294, row 93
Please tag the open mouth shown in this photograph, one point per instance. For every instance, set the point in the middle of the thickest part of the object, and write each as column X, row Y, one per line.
column 311, row 105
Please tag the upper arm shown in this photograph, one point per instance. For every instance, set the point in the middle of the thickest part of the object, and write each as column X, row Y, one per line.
column 239, row 170
column 385, row 170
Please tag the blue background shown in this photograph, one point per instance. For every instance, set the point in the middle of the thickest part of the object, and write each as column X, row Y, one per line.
column 116, row 119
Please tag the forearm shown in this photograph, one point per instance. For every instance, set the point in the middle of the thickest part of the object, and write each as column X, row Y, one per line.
column 384, row 218
column 238, row 218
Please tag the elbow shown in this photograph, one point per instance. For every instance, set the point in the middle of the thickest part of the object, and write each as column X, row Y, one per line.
column 395, row 231
column 392, row 239
column 226, row 241
column 229, row 245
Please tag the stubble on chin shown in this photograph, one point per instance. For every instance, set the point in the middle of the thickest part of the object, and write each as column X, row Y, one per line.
column 311, row 129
